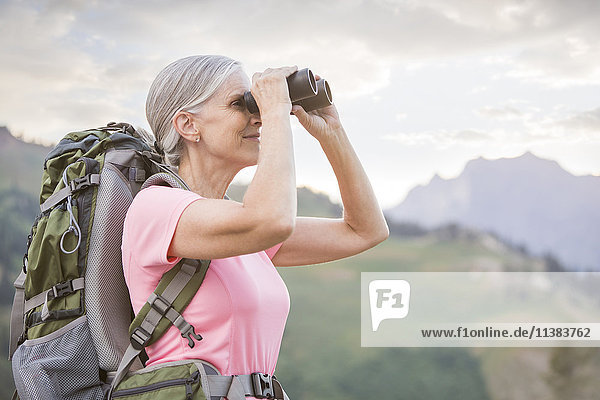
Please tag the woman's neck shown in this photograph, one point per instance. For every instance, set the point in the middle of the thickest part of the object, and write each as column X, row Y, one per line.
column 205, row 178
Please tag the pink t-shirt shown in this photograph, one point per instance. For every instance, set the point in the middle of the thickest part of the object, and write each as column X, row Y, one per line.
column 241, row 308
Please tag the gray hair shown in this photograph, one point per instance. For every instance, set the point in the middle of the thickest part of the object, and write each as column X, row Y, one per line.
column 184, row 85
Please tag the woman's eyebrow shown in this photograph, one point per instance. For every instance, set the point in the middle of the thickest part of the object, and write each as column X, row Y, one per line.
column 235, row 95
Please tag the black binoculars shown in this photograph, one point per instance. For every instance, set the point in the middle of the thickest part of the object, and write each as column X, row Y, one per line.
column 304, row 91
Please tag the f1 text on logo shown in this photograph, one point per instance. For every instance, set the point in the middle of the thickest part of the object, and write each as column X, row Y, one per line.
column 389, row 299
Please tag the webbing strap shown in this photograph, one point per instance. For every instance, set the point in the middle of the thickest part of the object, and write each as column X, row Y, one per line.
column 279, row 392
column 236, row 387
column 168, row 296
column 59, row 290
column 128, row 359
column 165, row 308
column 182, row 278
column 56, row 198
column 137, row 174
column 236, row 390
column 17, row 315
column 74, row 186
column 141, row 335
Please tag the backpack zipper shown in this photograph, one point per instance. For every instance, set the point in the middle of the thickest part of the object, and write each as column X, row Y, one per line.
column 188, row 382
column 189, row 389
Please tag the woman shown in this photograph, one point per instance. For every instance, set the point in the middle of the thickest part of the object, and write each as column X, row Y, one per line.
column 196, row 111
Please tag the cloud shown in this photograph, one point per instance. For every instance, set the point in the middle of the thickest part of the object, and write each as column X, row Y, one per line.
column 501, row 113
column 77, row 64
column 560, row 61
column 440, row 138
column 479, row 89
column 587, row 121
column 576, row 128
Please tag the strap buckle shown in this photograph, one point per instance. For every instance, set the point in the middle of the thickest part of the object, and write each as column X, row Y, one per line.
column 188, row 332
column 139, row 338
column 262, row 385
column 83, row 182
column 160, row 304
column 62, row 289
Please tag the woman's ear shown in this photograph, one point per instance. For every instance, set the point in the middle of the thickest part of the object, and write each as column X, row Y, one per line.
column 186, row 125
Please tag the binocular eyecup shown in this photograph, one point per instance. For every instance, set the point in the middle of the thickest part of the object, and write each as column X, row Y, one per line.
column 304, row 91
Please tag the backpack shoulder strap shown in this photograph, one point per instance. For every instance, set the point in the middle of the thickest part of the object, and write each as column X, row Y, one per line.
column 166, row 177
column 17, row 322
column 175, row 289
column 165, row 305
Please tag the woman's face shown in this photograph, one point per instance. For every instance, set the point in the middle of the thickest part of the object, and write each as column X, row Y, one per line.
column 227, row 130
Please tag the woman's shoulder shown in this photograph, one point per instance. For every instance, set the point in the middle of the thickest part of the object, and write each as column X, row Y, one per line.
column 157, row 200
column 151, row 221
column 163, row 191
column 162, row 195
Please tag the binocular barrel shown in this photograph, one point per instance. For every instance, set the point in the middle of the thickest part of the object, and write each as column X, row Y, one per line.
column 303, row 90
column 322, row 99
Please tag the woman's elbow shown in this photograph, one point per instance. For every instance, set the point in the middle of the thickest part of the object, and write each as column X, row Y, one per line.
column 379, row 236
column 282, row 228
column 385, row 233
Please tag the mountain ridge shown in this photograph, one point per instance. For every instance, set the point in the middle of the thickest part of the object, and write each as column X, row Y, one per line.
column 525, row 199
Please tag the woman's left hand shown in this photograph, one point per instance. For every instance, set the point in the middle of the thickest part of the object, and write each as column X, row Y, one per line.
column 322, row 123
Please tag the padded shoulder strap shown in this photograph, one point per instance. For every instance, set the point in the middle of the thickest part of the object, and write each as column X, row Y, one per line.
column 17, row 322
column 166, row 179
column 165, row 305
column 174, row 292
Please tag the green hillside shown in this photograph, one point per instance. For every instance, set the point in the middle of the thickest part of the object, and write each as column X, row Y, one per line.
column 323, row 333
column 323, row 339
column 20, row 163
column 310, row 202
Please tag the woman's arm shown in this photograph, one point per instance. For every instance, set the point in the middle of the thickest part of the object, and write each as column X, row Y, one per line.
column 317, row 240
column 216, row 228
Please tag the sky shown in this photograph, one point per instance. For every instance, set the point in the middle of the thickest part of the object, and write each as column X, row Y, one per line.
column 422, row 86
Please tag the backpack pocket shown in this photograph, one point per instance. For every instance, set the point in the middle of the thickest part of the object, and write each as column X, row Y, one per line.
column 178, row 380
column 60, row 365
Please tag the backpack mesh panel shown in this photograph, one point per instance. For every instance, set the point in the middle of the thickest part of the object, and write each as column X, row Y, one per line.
column 61, row 366
column 107, row 298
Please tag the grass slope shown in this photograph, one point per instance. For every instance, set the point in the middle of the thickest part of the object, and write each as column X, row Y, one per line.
column 321, row 354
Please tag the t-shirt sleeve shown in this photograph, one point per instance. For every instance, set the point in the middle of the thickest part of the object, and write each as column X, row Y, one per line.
column 271, row 251
column 150, row 224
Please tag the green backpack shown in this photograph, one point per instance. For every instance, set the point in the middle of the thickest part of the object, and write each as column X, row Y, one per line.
column 72, row 335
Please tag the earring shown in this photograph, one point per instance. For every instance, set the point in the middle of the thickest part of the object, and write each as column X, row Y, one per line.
column 197, row 138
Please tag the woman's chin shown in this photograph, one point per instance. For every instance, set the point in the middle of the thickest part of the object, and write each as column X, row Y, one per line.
column 251, row 160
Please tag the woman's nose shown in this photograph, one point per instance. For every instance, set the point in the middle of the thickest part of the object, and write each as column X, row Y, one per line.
column 255, row 120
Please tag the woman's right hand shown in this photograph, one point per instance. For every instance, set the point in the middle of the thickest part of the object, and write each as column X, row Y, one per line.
column 270, row 89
